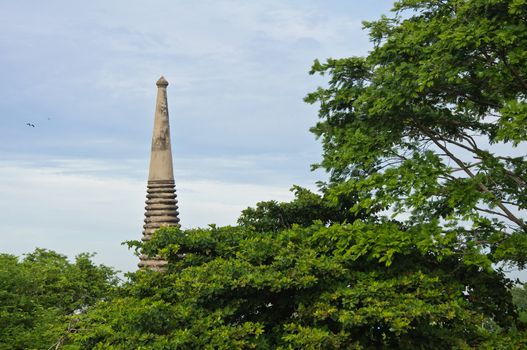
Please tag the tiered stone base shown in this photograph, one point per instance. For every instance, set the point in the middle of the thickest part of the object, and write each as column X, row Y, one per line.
column 161, row 210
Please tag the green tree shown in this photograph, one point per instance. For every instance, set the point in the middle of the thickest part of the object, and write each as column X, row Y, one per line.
column 429, row 125
column 347, row 286
column 303, row 210
column 519, row 297
column 40, row 292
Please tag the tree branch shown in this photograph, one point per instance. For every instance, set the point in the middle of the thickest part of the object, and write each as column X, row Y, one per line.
column 457, row 144
column 491, row 212
column 508, row 214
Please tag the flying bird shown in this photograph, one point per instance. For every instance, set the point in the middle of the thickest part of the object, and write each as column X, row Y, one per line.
column 30, row 124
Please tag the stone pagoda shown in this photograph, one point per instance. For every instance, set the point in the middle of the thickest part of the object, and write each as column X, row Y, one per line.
column 161, row 203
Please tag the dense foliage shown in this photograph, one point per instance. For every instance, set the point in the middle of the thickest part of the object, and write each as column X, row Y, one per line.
column 350, row 286
column 429, row 125
column 519, row 298
column 306, row 207
column 40, row 292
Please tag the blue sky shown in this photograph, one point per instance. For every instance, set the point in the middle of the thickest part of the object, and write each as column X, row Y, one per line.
column 84, row 74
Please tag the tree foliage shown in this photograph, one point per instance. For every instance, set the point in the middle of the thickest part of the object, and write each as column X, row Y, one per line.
column 429, row 125
column 519, row 298
column 354, row 286
column 41, row 291
column 306, row 208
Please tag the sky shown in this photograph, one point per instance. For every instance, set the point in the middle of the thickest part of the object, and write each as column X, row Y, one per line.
column 84, row 73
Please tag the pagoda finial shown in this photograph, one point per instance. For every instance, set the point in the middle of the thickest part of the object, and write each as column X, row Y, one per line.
column 162, row 82
column 161, row 203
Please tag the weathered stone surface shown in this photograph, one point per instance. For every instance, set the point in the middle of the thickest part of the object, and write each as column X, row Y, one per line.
column 161, row 204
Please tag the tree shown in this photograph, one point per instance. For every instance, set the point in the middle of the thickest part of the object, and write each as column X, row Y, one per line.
column 306, row 208
column 519, row 297
column 428, row 125
column 40, row 292
column 353, row 286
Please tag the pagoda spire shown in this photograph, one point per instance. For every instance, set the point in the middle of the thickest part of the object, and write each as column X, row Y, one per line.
column 161, row 203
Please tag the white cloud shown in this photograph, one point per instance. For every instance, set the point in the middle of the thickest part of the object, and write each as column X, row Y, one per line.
column 74, row 206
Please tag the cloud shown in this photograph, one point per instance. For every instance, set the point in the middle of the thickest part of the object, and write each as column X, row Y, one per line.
column 81, row 205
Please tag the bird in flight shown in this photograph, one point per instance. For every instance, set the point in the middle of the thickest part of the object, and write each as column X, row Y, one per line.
column 30, row 124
